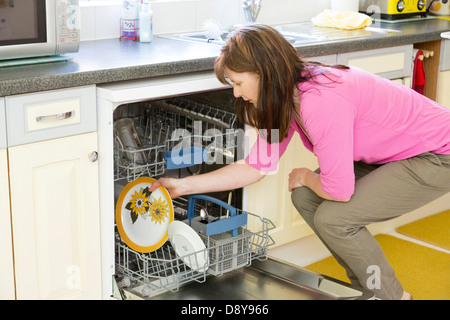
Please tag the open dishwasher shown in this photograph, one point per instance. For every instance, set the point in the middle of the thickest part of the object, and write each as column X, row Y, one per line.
column 225, row 255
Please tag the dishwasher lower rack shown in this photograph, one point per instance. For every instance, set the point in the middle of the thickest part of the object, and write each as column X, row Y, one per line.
column 163, row 270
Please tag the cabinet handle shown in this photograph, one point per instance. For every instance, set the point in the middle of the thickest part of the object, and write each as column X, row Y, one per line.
column 93, row 156
column 55, row 117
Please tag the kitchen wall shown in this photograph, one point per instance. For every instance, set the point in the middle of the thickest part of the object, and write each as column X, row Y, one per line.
column 101, row 19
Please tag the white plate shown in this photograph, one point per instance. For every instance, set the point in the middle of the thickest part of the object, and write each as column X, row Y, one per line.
column 143, row 218
column 188, row 245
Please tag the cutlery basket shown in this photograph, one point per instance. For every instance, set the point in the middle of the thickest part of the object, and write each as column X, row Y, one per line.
column 227, row 253
column 228, row 241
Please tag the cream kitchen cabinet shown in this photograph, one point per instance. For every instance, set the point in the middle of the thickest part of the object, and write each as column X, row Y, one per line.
column 6, row 255
column 53, row 175
column 393, row 63
column 271, row 199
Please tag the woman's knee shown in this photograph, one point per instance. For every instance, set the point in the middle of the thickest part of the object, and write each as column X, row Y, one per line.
column 303, row 199
column 330, row 218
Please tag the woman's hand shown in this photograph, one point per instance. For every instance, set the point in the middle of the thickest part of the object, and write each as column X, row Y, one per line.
column 173, row 185
column 306, row 177
column 297, row 178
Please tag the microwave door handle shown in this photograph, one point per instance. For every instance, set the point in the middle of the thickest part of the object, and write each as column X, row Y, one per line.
column 55, row 117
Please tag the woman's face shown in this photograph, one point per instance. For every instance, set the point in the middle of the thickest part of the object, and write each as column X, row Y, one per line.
column 245, row 85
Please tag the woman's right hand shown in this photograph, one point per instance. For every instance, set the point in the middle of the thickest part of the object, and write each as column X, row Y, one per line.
column 173, row 185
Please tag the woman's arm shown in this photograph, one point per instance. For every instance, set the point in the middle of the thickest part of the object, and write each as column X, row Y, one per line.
column 233, row 176
column 306, row 177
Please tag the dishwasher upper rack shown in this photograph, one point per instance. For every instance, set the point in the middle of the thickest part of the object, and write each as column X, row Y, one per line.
column 162, row 270
column 164, row 125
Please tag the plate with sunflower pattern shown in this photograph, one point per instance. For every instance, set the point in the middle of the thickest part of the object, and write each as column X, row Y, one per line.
column 143, row 217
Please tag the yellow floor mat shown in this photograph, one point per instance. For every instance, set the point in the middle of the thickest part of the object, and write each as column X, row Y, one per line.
column 434, row 229
column 424, row 272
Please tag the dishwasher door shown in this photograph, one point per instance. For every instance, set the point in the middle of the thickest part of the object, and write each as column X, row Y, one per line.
column 269, row 279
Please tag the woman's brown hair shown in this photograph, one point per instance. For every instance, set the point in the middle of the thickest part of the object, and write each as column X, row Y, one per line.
column 263, row 50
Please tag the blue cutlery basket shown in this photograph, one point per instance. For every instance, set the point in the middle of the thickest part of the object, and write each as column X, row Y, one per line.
column 232, row 223
column 226, row 237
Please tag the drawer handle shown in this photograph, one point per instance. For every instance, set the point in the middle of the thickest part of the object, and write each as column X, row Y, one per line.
column 55, row 117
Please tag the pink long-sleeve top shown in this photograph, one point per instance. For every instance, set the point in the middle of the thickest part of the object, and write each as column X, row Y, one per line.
column 358, row 116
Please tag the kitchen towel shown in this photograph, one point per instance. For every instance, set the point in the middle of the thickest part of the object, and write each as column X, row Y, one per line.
column 346, row 20
column 419, row 73
column 421, row 270
column 434, row 229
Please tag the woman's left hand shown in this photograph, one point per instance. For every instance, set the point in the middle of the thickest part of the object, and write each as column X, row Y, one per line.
column 297, row 178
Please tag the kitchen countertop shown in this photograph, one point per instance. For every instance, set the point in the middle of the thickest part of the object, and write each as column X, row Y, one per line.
column 106, row 61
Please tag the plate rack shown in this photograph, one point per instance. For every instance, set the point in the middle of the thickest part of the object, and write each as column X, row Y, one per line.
column 162, row 270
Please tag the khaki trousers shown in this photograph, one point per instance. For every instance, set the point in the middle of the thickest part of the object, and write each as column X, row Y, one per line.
column 381, row 193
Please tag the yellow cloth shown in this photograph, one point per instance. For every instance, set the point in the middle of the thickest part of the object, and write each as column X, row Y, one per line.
column 346, row 20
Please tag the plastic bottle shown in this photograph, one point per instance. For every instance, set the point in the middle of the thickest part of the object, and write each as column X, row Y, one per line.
column 130, row 19
column 146, row 23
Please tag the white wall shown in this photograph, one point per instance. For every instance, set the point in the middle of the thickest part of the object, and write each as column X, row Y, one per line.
column 101, row 20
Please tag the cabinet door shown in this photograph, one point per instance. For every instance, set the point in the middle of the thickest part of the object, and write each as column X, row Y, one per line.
column 271, row 199
column 55, row 219
column 6, row 257
column 444, row 89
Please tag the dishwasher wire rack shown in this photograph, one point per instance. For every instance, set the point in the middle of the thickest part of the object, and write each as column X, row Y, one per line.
column 163, row 270
column 166, row 124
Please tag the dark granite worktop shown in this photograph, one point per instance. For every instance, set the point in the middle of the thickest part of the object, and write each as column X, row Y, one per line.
column 106, row 61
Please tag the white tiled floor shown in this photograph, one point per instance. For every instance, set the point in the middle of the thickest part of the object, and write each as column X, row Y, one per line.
column 301, row 252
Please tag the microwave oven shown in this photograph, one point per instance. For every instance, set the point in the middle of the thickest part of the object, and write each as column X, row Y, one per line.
column 35, row 28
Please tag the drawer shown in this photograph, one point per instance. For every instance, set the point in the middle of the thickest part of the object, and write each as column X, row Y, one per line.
column 390, row 63
column 50, row 114
column 2, row 124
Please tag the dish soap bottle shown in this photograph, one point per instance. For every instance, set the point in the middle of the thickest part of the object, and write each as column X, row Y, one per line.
column 129, row 22
column 146, row 22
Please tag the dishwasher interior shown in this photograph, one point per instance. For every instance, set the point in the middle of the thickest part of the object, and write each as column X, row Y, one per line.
column 171, row 126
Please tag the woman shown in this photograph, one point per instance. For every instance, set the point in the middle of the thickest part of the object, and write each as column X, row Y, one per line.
column 383, row 149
